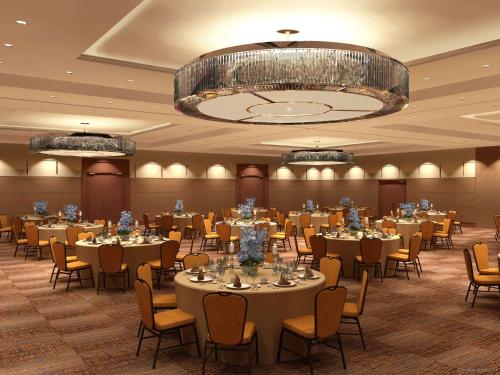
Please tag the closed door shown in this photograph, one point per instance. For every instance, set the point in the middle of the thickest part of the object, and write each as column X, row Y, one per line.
column 105, row 188
column 252, row 181
column 391, row 194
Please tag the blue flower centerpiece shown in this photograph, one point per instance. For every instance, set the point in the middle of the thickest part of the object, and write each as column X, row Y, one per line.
column 179, row 206
column 246, row 211
column 70, row 211
column 407, row 209
column 345, row 202
column 424, row 204
column 40, row 207
column 355, row 224
column 250, row 254
column 251, row 201
column 309, row 205
column 124, row 224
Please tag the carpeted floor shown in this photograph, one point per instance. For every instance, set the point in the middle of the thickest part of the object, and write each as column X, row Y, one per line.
column 421, row 326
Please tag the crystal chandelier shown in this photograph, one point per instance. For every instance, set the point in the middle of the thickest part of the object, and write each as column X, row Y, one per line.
column 317, row 156
column 82, row 145
column 291, row 83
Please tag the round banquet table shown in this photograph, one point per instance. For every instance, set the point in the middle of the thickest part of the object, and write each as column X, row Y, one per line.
column 405, row 229
column 133, row 254
column 267, row 308
column 236, row 227
column 348, row 248
column 59, row 231
column 316, row 220
column 260, row 213
column 181, row 221
column 438, row 217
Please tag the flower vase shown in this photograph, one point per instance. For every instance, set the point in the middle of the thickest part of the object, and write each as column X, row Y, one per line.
column 250, row 271
column 124, row 237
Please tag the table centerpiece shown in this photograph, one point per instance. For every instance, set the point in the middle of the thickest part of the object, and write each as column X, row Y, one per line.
column 124, row 224
column 355, row 224
column 40, row 207
column 70, row 212
column 251, row 255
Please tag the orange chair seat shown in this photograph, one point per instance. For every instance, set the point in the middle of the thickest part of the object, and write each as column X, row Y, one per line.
column 489, row 271
column 22, row 241
column 487, row 279
column 358, row 259
column 305, row 251
column 78, row 265
column 172, row 318
column 397, row 256
column 155, row 264
column 248, row 332
column 165, row 301
column 6, row 229
column 303, row 326
column 43, row 243
column 351, row 310
column 211, row 235
column 71, row 258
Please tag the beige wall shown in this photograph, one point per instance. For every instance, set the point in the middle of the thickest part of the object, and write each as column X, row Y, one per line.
column 207, row 182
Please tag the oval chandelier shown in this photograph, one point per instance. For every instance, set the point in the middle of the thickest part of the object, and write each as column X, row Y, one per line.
column 82, row 145
column 317, row 156
column 291, row 83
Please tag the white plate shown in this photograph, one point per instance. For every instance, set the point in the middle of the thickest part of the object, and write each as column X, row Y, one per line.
column 314, row 277
column 207, row 279
column 192, row 272
column 243, row 286
column 292, row 284
column 300, row 269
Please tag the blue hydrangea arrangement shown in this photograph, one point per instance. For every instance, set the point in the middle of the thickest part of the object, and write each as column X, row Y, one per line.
column 408, row 207
column 345, row 201
column 354, row 222
column 40, row 207
column 251, row 201
column 179, row 206
column 70, row 211
column 424, row 204
column 124, row 223
column 250, row 253
column 246, row 211
column 309, row 205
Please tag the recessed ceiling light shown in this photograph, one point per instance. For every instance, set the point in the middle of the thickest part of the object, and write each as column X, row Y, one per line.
column 414, row 106
column 21, row 22
column 427, row 78
column 52, row 96
column 407, row 118
column 485, row 65
column 69, row 72
column 157, row 107
column 130, row 80
column 109, row 102
column 1, row 62
column 462, row 98
column 8, row 45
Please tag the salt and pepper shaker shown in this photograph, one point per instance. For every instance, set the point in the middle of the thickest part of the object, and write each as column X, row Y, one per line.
column 231, row 248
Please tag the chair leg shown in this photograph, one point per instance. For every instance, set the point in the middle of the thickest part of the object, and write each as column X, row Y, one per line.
column 309, row 358
column 468, row 291
column 92, row 277
column 406, row 269
column 380, row 267
column 476, row 289
column 257, row 348
column 98, row 281
column 361, row 333
column 280, row 345
column 141, row 336
column 195, row 332
column 341, row 351
column 205, row 358
column 69, row 280
column 52, row 274
column 157, row 350
column 416, row 267
column 57, row 277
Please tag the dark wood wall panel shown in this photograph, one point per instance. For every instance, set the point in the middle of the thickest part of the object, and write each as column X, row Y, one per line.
column 487, row 185
column 17, row 194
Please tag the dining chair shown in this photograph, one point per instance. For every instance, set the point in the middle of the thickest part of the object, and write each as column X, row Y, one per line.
column 68, row 268
column 196, row 226
column 320, row 327
column 305, row 222
column 497, row 226
column 318, row 248
column 5, row 227
column 283, row 237
column 208, row 235
column 211, row 217
column 353, row 311
column 166, row 264
column 113, row 229
column 163, row 323
column 476, row 282
column 340, row 218
column 167, row 224
column 191, row 260
column 458, row 221
column 330, row 268
column 17, row 230
column 160, row 301
column 225, row 238
column 345, row 215
column 304, row 252
column 388, row 224
column 427, row 230
column 228, row 327
column 409, row 257
column 69, row 258
column 111, row 265
column 332, row 223
column 445, row 234
column 148, row 226
column 72, row 235
column 34, row 243
column 370, row 249
column 85, row 235
column 480, row 251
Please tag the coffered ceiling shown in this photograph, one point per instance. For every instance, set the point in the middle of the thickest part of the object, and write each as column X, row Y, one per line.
column 111, row 63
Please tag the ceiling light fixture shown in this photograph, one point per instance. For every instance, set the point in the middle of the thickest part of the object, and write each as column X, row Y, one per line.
column 130, row 80
column 427, row 78
column 8, row 45
column 292, row 82
column 317, row 156
column 486, row 66
column 22, row 22
column 69, row 72
column 82, row 145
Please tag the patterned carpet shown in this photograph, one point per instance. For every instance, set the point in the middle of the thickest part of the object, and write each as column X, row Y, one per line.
column 421, row 326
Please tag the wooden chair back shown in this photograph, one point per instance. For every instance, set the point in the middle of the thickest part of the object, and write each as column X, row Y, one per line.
column 72, row 234
column 427, row 229
column 330, row 268
column 370, row 249
column 197, row 222
column 414, row 246
column 207, row 224
column 332, row 221
column 110, row 258
column 328, row 308
column 388, row 224
column 175, row 235
column 58, row 250
column 168, row 253
column 318, row 247
column 224, row 231
column 85, row 235
column 305, row 220
column 167, row 222
column 145, row 301
column 32, row 235
column 480, row 251
column 191, row 260
column 144, row 272
column 362, row 292
column 468, row 266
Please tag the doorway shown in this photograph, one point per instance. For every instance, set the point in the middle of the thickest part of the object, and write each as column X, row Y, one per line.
column 390, row 194
column 105, row 188
column 252, row 181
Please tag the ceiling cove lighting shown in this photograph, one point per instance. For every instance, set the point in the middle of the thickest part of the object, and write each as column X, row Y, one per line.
column 82, row 145
column 317, row 156
column 291, row 82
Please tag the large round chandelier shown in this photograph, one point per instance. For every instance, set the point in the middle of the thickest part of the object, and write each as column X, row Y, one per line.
column 317, row 156
column 291, row 83
column 82, row 145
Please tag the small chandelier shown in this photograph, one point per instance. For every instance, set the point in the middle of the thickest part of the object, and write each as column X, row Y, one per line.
column 82, row 145
column 291, row 82
column 317, row 156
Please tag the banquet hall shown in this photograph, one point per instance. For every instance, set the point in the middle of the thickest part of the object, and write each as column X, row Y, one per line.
column 266, row 187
